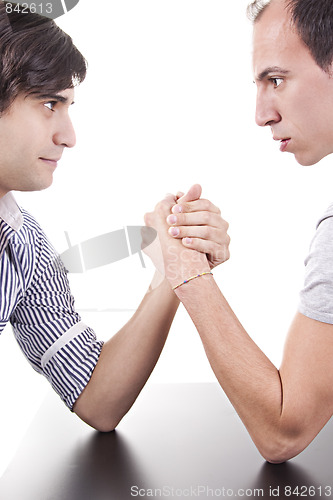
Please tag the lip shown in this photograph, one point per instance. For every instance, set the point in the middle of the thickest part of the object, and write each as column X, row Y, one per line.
column 283, row 143
column 50, row 161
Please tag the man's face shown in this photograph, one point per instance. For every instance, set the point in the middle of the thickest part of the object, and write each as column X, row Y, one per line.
column 294, row 95
column 33, row 134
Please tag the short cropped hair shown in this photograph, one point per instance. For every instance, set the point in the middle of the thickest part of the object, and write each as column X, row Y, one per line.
column 313, row 20
column 36, row 56
column 256, row 8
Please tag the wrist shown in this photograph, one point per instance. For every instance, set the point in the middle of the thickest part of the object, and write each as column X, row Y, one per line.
column 194, row 287
column 195, row 276
column 185, row 265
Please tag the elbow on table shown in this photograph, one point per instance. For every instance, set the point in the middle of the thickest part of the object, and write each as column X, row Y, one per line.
column 280, row 448
column 101, row 423
column 100, row 420
column 277, row 456
column 104, row 427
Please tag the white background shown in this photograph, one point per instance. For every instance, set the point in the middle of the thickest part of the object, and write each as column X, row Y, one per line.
column 168, row 102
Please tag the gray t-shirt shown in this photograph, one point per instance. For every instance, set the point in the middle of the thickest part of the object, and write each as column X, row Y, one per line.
column 317, row 295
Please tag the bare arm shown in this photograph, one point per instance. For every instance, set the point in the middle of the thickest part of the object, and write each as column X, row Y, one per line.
column 128, row 358
column 284, row 409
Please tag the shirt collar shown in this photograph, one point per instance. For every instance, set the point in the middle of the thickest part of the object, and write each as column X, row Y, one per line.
column 10, row 212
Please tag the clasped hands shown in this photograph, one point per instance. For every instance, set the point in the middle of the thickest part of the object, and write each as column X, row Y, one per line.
column 192, row 236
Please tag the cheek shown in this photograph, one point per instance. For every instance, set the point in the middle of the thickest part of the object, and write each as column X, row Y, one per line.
column 29, row 141
column 317, row 101
column 308, row 116
column 11, row 147
column 19, row 133
column 317, row 120
column 30, row 127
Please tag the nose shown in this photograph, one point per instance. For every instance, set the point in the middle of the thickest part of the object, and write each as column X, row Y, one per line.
column 266, row 112
column 65, row 133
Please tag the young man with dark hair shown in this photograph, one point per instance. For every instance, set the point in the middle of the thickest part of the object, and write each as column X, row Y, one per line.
column 284, row 409
column 39, row 67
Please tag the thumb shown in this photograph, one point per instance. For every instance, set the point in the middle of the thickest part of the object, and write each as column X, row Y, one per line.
column 192, row 194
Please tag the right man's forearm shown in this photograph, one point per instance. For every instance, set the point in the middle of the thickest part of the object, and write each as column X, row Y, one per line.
column 249, row 379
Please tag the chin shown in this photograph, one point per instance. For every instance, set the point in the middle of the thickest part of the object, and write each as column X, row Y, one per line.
column 310, row 157
column 35, row 186
column 306, row 161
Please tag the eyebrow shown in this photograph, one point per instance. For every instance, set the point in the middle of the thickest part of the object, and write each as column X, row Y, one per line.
column 270, row 70
column 54, row 97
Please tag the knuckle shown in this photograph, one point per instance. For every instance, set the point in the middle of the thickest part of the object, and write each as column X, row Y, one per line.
column 212, row 248
column 221, row 235
column 206, row 204
column 162, row 207
column 223, row 255
column 209, row 233
column 206, row 218
column 186, row 207
column 181, row 220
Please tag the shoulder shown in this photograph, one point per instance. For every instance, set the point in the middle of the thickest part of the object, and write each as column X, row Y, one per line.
column 30, row 232
column 32, row 247
column 322, row 243
column 317, row 293
column 30, row 224
column 328, row 214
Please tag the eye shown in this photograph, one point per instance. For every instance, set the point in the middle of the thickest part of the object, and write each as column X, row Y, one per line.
column 50, row 105
column 276, row 81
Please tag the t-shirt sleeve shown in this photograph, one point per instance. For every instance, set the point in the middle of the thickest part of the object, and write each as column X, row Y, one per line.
column 316, row 297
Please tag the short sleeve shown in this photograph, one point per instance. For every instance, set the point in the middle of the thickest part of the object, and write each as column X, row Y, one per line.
column 316, row 297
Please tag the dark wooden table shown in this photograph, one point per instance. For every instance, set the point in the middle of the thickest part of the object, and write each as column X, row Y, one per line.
column 178, row 441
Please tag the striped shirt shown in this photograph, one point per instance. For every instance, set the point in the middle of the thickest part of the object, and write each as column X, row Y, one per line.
column 35, row 298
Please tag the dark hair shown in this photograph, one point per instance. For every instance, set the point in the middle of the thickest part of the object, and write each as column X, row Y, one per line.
column 313, row 20
column 36, row 56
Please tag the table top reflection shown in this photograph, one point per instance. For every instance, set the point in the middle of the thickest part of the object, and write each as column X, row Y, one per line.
column 178, row 441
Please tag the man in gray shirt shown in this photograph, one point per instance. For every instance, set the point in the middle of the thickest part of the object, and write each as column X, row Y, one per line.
column 283, row 409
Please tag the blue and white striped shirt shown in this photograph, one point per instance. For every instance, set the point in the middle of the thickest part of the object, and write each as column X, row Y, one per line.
column 35, row 298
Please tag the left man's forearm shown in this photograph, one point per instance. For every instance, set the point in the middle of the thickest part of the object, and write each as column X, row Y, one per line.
column 127, row 360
